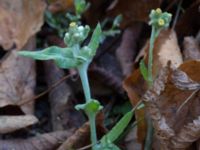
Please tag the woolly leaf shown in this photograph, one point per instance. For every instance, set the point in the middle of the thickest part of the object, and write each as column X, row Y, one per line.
column 63, row 57
column 95, row 40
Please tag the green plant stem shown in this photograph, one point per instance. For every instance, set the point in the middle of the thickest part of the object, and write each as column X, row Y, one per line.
column 93, row 134
column 149, row 136
column 150, row 130
column 150, row 59
column 86, row 88
column 84, row 79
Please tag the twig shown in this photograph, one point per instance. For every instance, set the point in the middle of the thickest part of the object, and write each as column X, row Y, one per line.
column 191, row 95
column 45, row 92
column 177, row 14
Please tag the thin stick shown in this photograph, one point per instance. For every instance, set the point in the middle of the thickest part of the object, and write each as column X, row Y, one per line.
column 191, row 95
column 177, row 14
column 45, row 92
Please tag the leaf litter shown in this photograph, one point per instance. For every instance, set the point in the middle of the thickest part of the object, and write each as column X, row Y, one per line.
column 172, row 102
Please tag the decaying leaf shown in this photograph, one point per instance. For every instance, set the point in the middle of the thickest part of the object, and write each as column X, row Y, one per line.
column 191, row 48
column 81, row 137
column 17, row 80
column 133, row 10
column 49, row 141
column 166, row 49
column 13, row 123
column 63, row 113
column 19, row 20
column 175, row 129
column 60, row 5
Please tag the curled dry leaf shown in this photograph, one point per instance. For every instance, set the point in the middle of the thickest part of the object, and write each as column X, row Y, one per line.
column 48, row 141
column 17, row 80
column 175, row 129
column 13, row 123
column 166, row 49
column 19, row 20
column 133, row 10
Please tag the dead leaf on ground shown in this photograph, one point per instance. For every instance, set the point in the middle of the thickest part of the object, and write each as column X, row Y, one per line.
column 133, row 10
column 56, row 6
column 81, row 137
column 166, row 49
column 49, row 141
column 13, row 123
column 19, row 20
column 63, row 113
column 17, row 80
column 176, row 125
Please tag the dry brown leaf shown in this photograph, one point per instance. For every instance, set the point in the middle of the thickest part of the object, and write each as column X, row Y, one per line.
column 17, row 80
column 133, row 10
column 175, row 128
column 49, row 141
column 63, row 113
column 60, row 5
column 166, row 49
column 19, row 20
column 13, row 123
column 81, row 137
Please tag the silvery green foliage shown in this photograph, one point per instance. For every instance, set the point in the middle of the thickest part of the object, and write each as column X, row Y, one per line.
column 159, row 20
column 74, row 55
column 80, row 7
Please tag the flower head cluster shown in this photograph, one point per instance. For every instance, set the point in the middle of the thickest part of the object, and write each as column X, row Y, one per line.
column 76, row 34
column 159, row 19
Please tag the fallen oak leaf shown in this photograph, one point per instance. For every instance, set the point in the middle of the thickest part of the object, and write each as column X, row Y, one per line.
column 19, row 20
column 174, row 130
column 17, row 77
column 166, row 49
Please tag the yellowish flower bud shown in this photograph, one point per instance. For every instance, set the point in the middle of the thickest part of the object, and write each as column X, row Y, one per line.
column 161, row 22
column 158, row 10
column 72, row 24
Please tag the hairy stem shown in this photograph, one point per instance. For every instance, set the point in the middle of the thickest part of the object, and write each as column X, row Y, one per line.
column 148, row 140
column 86, row 88
column 150, row 59
column 84, row 79
column 93, row 134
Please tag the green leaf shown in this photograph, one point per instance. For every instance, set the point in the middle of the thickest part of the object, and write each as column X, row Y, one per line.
column 117, row 21
column 95, row 40
column 118, row 129
column 91, row 107
column 143, row 70
column 63, row 57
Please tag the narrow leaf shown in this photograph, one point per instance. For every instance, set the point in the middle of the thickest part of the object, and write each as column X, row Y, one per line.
column 118, row 129
column 143, row 70
column 95, row 40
